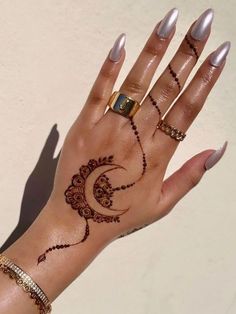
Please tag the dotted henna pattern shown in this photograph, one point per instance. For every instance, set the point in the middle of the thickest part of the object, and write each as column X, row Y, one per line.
column 174, row 75
column 101, row 209
column 192, row 47
column 132, row 231
column 154, row 103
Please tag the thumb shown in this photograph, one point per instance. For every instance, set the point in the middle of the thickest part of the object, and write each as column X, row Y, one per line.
column 187, row 177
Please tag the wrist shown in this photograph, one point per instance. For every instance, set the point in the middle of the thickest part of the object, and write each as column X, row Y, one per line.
column 52, row 227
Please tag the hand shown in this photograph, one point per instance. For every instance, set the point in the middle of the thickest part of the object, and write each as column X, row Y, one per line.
column 109, row 178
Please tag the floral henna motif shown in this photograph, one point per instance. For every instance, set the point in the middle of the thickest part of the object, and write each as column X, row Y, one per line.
column 99, row 209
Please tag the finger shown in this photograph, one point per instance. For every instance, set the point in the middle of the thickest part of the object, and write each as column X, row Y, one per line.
column 189, row 104
column 138, row 79
column 100, row 93
column 172, row 80
column 187, row 177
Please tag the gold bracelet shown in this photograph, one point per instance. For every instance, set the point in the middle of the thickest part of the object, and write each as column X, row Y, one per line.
column 27, row 284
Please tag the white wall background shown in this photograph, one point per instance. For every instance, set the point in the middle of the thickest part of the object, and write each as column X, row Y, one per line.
column 50, row 53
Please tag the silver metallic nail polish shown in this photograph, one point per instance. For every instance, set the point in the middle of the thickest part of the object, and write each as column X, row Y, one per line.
column 168, row 23
column 201, row 27
column 215, row 157
column 219, row 55
column 119, row 44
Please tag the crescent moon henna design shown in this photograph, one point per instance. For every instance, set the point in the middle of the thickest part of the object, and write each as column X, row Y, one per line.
column 99, row 209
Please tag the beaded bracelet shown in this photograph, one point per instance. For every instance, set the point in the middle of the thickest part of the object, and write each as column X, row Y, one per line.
column 27, row 284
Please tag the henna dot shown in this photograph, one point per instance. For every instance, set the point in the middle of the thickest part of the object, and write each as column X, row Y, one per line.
column 123, row 187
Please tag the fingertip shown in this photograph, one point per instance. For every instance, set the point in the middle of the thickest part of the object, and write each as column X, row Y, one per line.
column 116, row 52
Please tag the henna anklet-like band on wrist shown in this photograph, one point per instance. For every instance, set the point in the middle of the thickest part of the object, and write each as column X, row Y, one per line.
column 26, row 282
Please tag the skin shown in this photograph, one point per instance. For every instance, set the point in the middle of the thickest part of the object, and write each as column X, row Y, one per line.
column 111, row 134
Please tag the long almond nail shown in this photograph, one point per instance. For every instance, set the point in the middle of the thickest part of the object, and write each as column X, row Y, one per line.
column 219, row 55
column 168, row 23
column 116, row 50
column 201, row 27
column 215, row 157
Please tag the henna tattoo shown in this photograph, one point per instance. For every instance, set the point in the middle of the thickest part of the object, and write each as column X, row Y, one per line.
column 42, row 257
column 99, row 209
column 173, row 73
column 192, row 47
column 136, row 133
column 154, row 102
column 132, row 231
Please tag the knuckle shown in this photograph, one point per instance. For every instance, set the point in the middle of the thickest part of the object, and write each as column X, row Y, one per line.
column 189, row 107
column 152, row 49
column 193, row 179
column 96, row 98
column 205, row 76
column 189, row 53
column 154, row 164
column 167, row 89
column 133, row 86
column 106, row 73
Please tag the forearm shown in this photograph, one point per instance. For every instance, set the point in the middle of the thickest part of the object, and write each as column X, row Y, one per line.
column 51, row 227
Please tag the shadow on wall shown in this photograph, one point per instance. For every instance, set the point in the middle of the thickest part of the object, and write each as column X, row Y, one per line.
column 37, row 189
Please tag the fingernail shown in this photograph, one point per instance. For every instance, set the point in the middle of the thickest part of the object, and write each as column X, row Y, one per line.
column 168, row 23
column 215, row 157
column 116, row 50
column 219, row 55
column 201, row 27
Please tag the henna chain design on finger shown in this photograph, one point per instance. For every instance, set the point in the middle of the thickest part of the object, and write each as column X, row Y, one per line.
column 76, row 195
column 192, row 47
column 154, row 103
column 174, row 75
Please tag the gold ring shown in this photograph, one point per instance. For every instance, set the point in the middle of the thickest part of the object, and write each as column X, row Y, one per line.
column 124, row 105
column 171, row 131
